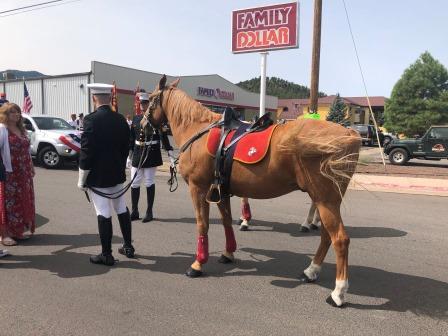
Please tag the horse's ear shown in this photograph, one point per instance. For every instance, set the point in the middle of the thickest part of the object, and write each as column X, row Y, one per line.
column 175, row 83
column 162, row 82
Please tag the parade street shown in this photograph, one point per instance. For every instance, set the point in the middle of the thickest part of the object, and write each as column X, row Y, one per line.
column 398, row 269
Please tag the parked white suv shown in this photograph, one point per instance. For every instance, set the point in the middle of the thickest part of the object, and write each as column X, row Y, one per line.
column 52, row 140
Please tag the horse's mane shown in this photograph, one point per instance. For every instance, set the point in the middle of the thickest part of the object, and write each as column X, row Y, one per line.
column 186, row 111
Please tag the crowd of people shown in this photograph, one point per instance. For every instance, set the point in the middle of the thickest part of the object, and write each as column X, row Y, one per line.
column 109, row 143
column 77, row 123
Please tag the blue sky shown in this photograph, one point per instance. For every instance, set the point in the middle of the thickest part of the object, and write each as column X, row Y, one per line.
column 193, row 37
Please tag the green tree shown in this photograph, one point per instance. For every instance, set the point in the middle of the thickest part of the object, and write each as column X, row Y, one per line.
column 337, row 110
column 278, row 87
column 419, row 99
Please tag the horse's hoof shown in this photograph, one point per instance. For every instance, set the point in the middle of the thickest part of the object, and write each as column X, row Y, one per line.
column 224, row 260
column 239, row 221
column 305, row 278
column 314, row 227
column 192, row 273
column 331, row 302
column 244, row 228
column 304, row 229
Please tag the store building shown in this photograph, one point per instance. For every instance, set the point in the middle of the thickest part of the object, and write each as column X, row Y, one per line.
column 357, row 108
column 64, row 95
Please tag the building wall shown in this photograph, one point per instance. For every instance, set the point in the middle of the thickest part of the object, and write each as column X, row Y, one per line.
column 56, row 96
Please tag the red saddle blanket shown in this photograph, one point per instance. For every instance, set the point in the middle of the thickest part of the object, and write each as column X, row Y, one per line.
column 252, row 148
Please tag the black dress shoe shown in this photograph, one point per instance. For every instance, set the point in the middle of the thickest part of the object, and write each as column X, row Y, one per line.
column 135, row 215
column 104, row 259
column 128, row 251
column 148, row 217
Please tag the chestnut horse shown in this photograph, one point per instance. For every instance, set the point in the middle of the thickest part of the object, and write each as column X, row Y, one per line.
column 314, row 156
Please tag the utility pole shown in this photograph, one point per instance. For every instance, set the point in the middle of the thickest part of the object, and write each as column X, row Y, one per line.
column 314, row 91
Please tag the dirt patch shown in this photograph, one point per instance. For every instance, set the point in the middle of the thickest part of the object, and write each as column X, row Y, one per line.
column 412, row 169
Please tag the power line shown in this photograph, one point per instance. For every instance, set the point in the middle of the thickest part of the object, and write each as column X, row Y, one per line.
column 35, row 5
column 364, row 82
column 32, row 8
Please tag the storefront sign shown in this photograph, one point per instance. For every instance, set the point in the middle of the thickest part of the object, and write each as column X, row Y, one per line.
column 216, row 93
column 265, row 28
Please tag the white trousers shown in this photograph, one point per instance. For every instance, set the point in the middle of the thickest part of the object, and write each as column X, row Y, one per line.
column 147, row 174
column 103, row 206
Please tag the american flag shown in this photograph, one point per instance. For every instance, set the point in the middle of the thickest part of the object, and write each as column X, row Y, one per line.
column 114, row 98
column 27, row 104
column 137, row 110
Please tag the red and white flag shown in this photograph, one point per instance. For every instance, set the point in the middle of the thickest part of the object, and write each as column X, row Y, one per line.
column 72, row 141
column 27, row 104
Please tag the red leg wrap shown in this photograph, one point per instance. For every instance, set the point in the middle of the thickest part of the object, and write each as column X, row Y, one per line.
column 230, row 239
column 245, row 211
column 202, row 251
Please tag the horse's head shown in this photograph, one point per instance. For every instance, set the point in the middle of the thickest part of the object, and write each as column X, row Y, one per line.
column 155, row 114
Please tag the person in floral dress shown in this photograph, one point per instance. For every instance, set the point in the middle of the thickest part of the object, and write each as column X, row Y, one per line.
column 18, row 187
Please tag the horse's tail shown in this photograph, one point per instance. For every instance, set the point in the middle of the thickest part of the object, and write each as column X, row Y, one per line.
column 336, row 146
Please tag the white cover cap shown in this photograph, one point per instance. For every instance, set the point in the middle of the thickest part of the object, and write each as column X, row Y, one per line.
column 100, row 88
column 143, row 96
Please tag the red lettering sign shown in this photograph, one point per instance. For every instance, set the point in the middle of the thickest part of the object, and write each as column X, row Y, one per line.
column 265, row 28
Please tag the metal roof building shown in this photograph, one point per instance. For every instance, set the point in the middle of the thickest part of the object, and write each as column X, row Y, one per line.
column 64, row 95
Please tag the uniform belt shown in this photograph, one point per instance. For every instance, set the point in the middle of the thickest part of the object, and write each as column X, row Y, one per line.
column 143, row 143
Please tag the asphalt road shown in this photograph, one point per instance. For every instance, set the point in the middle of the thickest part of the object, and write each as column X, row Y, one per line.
column 398, row 270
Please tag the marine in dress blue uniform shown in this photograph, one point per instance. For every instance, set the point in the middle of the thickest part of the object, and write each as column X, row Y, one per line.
column 144, row 151
column 102, row 164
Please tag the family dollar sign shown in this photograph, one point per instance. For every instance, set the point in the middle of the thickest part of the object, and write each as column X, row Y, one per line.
column 265, row 28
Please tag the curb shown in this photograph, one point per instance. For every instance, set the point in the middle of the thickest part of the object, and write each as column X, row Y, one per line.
column 380, row 183
column 401, row 185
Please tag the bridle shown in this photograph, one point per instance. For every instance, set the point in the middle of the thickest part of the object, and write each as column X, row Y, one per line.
column 153, row 104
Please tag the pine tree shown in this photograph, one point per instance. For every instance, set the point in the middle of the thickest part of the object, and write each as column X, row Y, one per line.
column 419, row 99
column 337, row 110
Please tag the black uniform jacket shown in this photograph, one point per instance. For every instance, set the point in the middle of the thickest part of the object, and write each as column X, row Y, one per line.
column 153, row 135
column 104, row 147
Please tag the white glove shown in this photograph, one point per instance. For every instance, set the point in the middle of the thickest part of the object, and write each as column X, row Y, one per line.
column 82, row 178
column 129, row 160
column 172, row 159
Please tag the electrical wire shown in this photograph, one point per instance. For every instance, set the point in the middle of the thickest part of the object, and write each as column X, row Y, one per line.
column 364, row 83
column 32, row 8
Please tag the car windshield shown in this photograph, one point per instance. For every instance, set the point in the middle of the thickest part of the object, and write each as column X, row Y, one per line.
column 52, row 123
column 360, row 128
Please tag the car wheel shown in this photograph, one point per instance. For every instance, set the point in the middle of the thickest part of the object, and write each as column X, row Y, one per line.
column 398, row 156
column 49, row 158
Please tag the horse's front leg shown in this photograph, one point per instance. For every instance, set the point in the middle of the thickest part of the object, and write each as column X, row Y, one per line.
column 202, row 209
column 226, row 215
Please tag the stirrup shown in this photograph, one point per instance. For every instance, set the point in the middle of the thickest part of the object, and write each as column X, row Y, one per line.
column 214, row 194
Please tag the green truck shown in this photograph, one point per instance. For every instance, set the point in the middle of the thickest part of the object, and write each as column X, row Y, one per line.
column 432, row 146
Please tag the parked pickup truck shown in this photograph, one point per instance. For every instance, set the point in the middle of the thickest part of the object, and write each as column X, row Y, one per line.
column 432, row 146
column 52, row 139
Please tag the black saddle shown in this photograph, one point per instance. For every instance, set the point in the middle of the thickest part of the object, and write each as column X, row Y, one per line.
column 224, row 154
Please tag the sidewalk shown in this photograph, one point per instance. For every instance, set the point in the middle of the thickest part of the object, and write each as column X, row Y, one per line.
column 379, row 183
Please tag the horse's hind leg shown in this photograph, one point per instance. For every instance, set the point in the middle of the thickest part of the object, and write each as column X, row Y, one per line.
column 202, row 210
column 305, row 227
column 333, row 229
column 316, row 220
column 226, row 215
